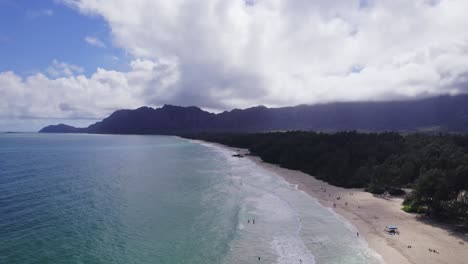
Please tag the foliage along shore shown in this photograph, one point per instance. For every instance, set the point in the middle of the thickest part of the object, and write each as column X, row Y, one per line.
column 434, row 166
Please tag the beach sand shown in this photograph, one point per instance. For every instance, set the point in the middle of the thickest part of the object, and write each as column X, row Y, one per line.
column 370, row 214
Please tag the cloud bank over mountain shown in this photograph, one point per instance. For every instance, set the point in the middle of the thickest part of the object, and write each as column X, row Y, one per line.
column 223, row 54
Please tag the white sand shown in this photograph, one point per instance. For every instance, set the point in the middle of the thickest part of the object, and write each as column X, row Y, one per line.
column 371, row 214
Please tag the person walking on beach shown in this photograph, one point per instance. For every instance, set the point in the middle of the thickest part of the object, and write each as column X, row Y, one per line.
column 357, row 234
column 253, row 221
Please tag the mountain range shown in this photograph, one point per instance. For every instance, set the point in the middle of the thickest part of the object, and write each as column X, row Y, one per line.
column 436, row 114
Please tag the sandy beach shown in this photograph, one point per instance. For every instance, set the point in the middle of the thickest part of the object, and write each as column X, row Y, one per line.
column 370, row 214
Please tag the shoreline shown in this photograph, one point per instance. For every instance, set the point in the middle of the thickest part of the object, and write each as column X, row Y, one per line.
column 370, row 214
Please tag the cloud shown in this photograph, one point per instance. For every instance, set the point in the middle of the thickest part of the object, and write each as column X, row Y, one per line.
column 223, row 54
column 62, row 69
column 93, row 41
column 33, row 14
column 70, row 95
column 278, row 52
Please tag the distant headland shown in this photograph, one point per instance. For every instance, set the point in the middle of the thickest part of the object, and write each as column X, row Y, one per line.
column 436, row 114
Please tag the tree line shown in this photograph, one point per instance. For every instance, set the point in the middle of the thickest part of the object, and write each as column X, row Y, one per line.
column 435, row 167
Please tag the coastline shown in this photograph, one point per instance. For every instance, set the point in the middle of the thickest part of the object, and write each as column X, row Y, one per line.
column 370, row 214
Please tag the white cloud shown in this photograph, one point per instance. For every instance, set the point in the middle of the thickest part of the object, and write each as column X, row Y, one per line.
column 93, row 41
column 61, row 69
column 279, row 52
column 221, row 54
column 77, row 96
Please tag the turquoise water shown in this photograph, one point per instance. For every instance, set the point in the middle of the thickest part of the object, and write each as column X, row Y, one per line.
column 156, row 199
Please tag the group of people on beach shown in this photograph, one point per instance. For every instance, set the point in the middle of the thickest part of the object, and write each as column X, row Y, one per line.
column 339, row 198
column 357, row 233
column 253, row 221
column 430, row 250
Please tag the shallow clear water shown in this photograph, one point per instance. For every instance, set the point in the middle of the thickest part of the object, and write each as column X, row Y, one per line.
column 156, row 199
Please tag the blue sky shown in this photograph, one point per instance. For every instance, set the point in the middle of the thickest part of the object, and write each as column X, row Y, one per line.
column 33, row 33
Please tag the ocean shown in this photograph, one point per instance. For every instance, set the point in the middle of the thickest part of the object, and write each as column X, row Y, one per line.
column 73, row 198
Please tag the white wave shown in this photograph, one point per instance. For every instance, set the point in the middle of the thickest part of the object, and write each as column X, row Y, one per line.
column 282, row 212
column 291, row 251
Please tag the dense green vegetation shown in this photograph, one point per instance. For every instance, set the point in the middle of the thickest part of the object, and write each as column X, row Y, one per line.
column 434, row 166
